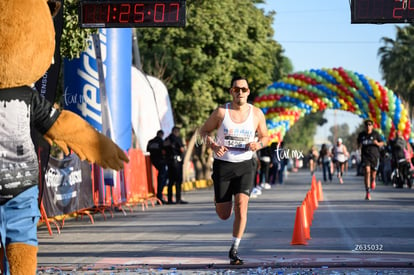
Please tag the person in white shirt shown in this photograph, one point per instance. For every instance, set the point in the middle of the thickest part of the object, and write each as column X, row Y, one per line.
column 341, row 157
column 237, row 123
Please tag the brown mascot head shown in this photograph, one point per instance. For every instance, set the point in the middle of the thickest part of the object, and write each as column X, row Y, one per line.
column 27, row 41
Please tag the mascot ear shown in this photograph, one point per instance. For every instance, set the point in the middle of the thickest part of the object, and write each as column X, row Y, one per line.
column 54, row 7
column 27, row 42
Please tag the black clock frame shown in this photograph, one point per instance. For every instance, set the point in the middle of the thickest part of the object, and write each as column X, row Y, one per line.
column 382, row 11
column 132, row 14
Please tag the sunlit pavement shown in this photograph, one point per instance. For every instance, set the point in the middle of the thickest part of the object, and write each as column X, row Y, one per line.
column 348, row 235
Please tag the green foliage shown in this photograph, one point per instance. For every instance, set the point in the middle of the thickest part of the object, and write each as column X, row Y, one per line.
column 221, row 38
column 339, row 131
column 73, row 40
column 397, row 63
column 300, row 136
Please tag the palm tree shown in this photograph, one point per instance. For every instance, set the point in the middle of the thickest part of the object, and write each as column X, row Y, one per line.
column 397, row 64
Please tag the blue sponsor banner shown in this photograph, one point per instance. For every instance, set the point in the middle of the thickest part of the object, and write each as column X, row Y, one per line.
column 82, row 87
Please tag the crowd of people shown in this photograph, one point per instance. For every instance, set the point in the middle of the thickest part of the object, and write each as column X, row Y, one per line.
column 390, row 162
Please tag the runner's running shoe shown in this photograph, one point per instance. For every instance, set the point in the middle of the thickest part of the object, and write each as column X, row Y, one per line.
column 368, row 196
column 234, row 257
column 373, row 185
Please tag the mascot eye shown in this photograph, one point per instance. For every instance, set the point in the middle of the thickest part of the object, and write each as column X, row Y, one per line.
column 54, row 7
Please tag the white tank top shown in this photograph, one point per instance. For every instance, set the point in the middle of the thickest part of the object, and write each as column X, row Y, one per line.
column 236, row 136
column 340, row 154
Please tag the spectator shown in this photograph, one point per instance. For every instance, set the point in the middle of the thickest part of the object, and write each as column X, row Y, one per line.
column 257, row 189
column 341, row 156
column 400, row 158
column 325, row 158
column 157, row 155
column 313, row 157
column 279, row 163
column 175, row 156
column 264, row 155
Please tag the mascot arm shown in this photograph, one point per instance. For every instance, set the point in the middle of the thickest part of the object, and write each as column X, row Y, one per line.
column 70, row 130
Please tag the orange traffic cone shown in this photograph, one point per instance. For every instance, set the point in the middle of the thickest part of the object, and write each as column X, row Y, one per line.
column 313, row 184
column 298, row 236
column 305, row 220
column 309, row 209
column 314, row 198
column 317, row 191
column 309, row 198
column 320, row 192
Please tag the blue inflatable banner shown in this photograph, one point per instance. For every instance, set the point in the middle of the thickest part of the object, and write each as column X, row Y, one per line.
column 118, row 84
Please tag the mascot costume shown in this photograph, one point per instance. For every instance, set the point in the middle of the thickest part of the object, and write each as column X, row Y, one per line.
column 27, row 44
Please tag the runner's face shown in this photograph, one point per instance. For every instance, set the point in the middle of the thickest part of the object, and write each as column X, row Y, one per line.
column 240, row 91
column 369, row 126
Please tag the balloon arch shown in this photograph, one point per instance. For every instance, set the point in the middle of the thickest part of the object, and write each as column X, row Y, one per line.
column 286, row 101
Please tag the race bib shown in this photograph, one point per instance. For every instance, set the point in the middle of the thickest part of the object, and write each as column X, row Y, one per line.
column 236, row 142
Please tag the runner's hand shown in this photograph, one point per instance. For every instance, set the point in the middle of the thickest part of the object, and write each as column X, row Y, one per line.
column 219, row 150
column 254, row 146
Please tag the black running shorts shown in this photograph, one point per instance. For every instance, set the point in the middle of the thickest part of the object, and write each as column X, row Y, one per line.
column 370, row 161
column 231, row 178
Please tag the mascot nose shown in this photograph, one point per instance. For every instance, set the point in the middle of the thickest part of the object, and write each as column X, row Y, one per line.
column 54, row 7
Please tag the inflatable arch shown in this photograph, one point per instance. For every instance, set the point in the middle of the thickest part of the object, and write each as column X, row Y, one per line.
column 286, row 101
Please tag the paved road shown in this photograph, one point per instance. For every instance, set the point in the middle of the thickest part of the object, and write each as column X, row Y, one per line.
column 190, row 239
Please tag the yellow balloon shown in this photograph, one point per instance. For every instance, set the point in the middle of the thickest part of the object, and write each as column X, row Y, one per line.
column 401, row 126
column 377, row 93
column 269, row 103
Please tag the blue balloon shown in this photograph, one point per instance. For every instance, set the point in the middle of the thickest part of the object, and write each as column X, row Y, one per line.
column 383, row 120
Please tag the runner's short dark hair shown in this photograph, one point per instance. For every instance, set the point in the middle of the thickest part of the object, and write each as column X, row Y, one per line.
column 368, row 121
column 235, row 78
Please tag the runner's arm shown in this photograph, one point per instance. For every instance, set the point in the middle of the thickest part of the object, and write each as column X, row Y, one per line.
column 213, row 123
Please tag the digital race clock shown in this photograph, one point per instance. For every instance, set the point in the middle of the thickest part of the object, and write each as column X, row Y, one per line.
column 132, row 14
column 382, row 11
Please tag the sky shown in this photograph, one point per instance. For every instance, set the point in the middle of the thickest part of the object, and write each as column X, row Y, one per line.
column 318, row 34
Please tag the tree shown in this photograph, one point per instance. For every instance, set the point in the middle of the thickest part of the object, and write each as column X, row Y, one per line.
column 221, row 38
column 300, row 136
column 338, row 131
column 73, row 40
column 397, row 64
column 341, row 131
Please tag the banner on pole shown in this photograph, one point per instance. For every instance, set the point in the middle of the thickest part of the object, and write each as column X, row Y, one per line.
column 68, row 186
